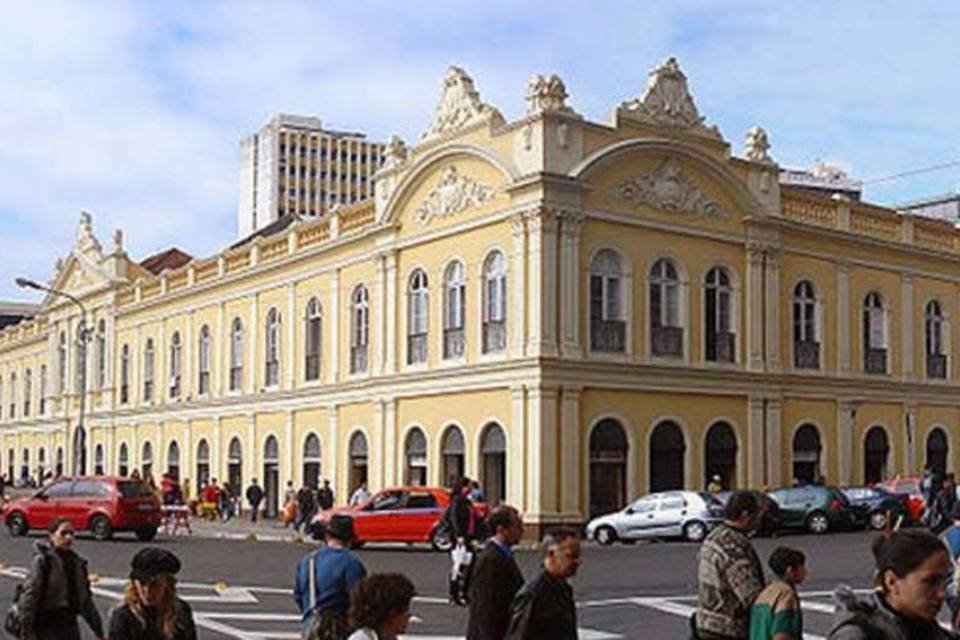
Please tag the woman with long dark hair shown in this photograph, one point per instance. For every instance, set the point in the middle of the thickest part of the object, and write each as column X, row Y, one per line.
column 151, row 609
column 910, row 588
column 380, row 607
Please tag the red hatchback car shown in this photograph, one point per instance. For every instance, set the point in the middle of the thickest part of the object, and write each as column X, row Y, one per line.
column 400, row 514
column 101, row 505
column 907, row 488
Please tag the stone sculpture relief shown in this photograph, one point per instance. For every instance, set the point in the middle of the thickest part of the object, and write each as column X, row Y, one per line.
column 668, row 188
column 758, row 145
column 460, row 105
column 547, row 93
column 667, row 101
column 454, row 193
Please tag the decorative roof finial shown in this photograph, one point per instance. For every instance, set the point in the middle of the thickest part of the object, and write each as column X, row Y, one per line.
column 118, row 241
column 666, row 101
column 547, row 93
column 395, row 153
column 758, row 144
column 460, row 105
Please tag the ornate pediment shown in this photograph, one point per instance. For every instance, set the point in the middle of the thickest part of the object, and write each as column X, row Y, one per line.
column 666, row 101
column 460, row 105
column 454, row 193
column 668, row 188
column 86, row 268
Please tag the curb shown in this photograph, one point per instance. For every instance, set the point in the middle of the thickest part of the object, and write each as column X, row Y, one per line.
column 248, row 537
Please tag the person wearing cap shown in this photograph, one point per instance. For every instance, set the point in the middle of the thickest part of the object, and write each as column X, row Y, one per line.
column 151, row 609
column 951, row 539
column 323, row 581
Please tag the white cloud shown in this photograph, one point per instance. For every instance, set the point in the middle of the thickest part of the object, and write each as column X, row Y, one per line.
column 134, row 110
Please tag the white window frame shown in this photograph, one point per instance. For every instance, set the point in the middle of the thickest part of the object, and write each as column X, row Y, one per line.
column 418, row 313
column 271, row 355
column 236, row 355
column 175, row 385
column 494, row 298
column 313, row 314
column 203, row 362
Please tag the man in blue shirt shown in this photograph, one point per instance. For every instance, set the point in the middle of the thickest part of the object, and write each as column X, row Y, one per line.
column 323, row 582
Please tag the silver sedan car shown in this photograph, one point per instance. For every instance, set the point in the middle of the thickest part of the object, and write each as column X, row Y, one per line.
column 671, row 514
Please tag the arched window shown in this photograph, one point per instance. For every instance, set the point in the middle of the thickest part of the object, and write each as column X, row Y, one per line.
column 98, row 460
column 124, row 374
column 173, row 460
column 493, row 463
column 203, row 361
column 62, row 363
column 608, row 329
column 666, row 329
column 608, row 467
column 454, row 309
column 146, row 461
column 418, row 317
column 876, row 450
column 667, row 452
column 935, row 338
column 494, row 302
column 43, row 389
column 720, row 457
column 203, row 464
column 806, row 454
column 59, row 469
column 311, row 461
column 272, row 353
column 148, row 371
column 235, row 467
column 937, row 450
column 806, row 339
column 236, row 355
column 416, row 456
column 452, row 451
column 358, row 460
column 874, row 334
column 80, row 362
column 27, row 391
column 359, row 329
column 123, row 461
column 720, row 342
column 176, row 364
column 313, row 337
column 101, row 354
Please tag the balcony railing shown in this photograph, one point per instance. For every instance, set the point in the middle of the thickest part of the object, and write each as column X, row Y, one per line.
column 416, row 348
column 937, row 366
column 312, row 367
column 667, row 341
column 806, row 354
column 608, row 335
column 724, row 347
column 875, row 361
column 453, row 343
column 358, row 358
column 494, row 336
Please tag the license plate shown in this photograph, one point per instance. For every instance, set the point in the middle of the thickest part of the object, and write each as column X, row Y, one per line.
column 145, row 507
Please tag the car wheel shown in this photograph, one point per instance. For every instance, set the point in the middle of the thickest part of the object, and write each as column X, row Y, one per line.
column 817, row 522
column 17, row 525
column 146, row 534
column 440, row 540
column 878, row 520
column 605, row 535
column 694, row 531
column 100, row 528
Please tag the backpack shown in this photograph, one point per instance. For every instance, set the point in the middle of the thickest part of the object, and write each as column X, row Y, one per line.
column 13, row 622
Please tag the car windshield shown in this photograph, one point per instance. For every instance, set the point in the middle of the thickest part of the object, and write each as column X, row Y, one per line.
column 134, row 489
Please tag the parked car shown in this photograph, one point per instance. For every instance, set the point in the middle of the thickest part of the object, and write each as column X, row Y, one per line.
column 875, row 506
column 815, row 508
column 399, row 514
column 671, row 514
column 769, row 522
column 101, row 505
column 908, row 486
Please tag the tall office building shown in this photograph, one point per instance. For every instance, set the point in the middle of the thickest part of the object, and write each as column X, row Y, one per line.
column 294, row 165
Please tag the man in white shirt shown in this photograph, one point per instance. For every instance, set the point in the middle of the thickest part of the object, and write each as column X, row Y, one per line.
column 360, row 496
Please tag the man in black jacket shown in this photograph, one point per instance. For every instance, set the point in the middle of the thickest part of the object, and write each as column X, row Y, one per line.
column 544, row 608
column 254, row 498
column 496, row 577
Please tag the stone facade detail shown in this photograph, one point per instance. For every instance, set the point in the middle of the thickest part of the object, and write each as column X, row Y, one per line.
column 547, row 93
column 394, row 153
column 666, row 101
column 454, row 193
column 668, row 188
column 460, row 105
column 758, row 145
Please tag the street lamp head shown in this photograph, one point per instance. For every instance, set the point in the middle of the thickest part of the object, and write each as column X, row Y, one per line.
column 26, row 283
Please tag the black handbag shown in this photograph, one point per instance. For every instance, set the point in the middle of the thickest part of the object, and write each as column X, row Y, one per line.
column 12, row 623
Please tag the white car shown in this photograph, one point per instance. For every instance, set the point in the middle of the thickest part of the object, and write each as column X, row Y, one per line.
column 671, row 514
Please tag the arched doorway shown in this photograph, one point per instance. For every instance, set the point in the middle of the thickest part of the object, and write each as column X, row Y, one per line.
column 452, row 454
column 80, row 451
column 173, row 460
column 311, row 461
column 203, row 464
column 875, row 453
column 123, row 461
column 271, row 477
column 493, row 455
column 720, row 455
column 806, row 454
column 97, row 460
column 358, row 462
column 416, row 458
column 608, row 467
column 937, row 450
column 146, row 461
column 235, row 467
column 667, row 451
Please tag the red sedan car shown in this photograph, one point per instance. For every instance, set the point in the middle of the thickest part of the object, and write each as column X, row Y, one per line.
column 400, row 514
column 101, row 505
column 908, row 488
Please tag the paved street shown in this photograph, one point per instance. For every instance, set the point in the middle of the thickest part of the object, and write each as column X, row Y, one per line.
column 643, row 590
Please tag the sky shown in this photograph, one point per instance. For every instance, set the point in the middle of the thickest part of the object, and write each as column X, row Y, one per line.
column 134, row 110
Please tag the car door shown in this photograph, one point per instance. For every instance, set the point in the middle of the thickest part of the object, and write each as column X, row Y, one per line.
column 47, row 505
column 671, row 510
column 419, row 516
column 87, row 498
column 376, row 521
column 639, row 519
column 791, row 509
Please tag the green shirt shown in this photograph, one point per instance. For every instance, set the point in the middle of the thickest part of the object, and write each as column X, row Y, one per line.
column 776, row 610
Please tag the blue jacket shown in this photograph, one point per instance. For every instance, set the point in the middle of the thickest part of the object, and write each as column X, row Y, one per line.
column 336, row 571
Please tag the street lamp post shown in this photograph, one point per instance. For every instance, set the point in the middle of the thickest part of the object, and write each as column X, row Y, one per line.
column 83, row 335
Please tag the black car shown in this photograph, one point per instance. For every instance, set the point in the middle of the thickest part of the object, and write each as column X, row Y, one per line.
column 875, row 506
column 814, row 508
column 769, row 511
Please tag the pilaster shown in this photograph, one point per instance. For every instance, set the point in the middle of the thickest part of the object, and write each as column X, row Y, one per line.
column 843, row 318
column 390, row 357
column 846, row 423
column 755, row 443
column 378, row 323
column 570, row 467
column 772, row 311
column 252, row 339
column 910, row 438
column 333, row 333
column 289, row 366
column 754, row 301
column 542, row 228
column 774, row 445
column 906, row 332
column 250, row 451
column 377, row 446
column 518, row 279
column 517, row 458
column 542, row 455
column 570, row 229
column 291, row 448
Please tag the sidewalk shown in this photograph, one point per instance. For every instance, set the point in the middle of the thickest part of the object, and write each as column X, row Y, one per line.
column 243, row 529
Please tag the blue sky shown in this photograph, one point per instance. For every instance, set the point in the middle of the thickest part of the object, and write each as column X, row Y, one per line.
column 133, row 111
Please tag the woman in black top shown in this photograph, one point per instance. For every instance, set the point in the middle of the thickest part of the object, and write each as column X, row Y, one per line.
column 151, row 609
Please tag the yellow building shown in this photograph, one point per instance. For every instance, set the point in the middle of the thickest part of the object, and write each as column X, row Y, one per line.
column 572, row 312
